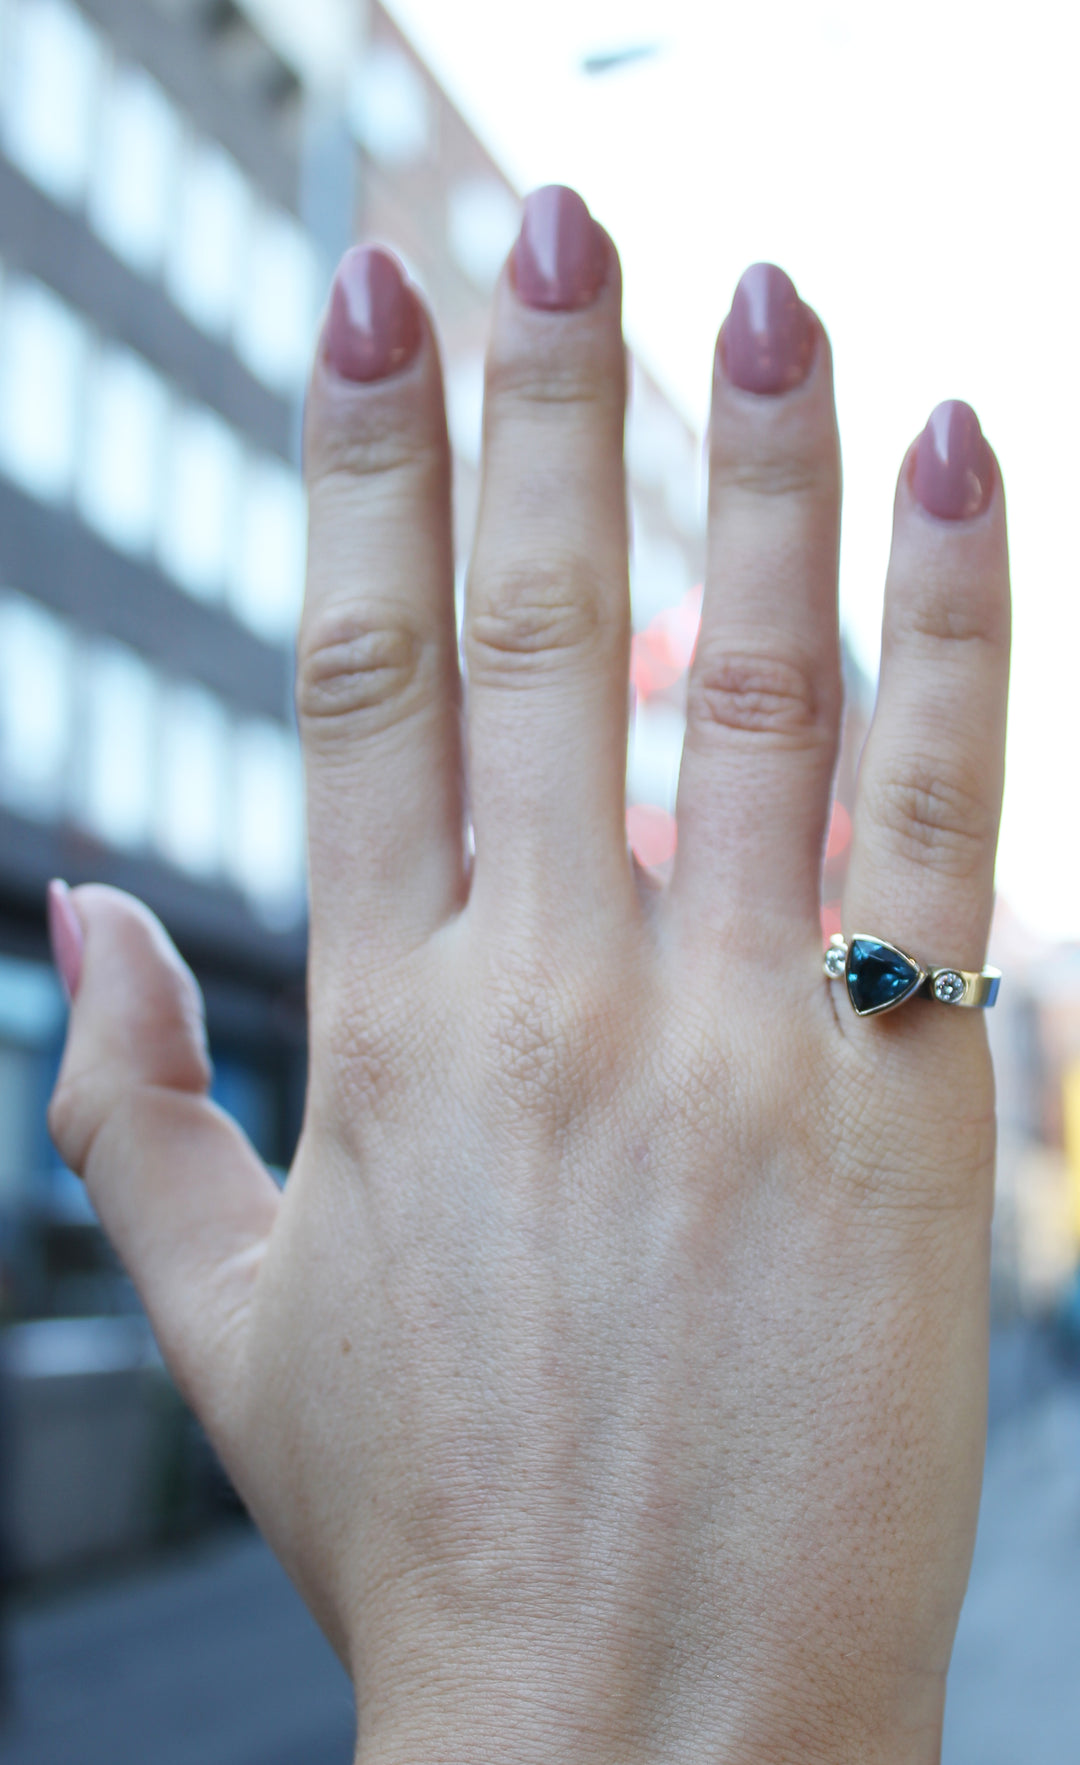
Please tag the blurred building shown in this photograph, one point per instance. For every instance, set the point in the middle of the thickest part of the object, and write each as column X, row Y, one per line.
column 159, row 291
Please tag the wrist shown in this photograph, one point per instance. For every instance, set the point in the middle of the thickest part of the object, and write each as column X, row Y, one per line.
column 535, row 1725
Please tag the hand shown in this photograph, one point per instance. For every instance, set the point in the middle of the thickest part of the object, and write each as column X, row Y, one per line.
column 610, row 1374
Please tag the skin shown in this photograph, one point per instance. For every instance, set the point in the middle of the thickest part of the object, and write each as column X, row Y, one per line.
column 610, row 1375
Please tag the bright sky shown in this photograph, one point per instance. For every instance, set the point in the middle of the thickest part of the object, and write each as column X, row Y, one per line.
column 916, row 169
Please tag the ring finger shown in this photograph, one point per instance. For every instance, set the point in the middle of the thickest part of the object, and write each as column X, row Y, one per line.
column 929, row 799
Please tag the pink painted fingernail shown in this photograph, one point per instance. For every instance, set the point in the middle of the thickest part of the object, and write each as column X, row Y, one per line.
column 767, row 339
column 953, row 473
column 65, row 936
column 373, row 327
column 560, row 259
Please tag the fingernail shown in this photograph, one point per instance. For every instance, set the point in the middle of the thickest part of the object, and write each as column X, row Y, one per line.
column 953, row 473
column 65, row 936
column 373, row 327
column 560, row 259
column 768, row 339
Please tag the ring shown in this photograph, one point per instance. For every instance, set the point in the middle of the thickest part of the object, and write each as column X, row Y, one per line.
column 880, row 977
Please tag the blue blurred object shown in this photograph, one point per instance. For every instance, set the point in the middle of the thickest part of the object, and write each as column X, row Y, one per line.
column 247, row 1096
column 1068, row 1317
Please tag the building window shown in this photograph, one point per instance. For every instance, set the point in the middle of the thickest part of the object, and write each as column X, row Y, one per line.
column 192, row 779
column 115, row 796
column 275, row 331
column 36, row 681
column 389, row 111
column 208, row 251
column 52, row 81
column 482, row 221
column 120, row 471
column 20, row 1130
column 201, row 484
column 268, row 580
column 42, row 354
column 265, row 833
column 132, row 186
column 32, row 1015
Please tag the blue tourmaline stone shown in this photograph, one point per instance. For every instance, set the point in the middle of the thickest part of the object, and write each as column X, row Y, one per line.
column 878, row 975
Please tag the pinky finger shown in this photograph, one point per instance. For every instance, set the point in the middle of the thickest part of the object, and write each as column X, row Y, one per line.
column 929, row 799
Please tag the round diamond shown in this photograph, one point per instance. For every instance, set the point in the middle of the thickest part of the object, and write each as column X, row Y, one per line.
column 948, row 987
column 835, row 959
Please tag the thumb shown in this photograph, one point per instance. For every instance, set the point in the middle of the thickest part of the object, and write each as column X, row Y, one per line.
column 179, row 1190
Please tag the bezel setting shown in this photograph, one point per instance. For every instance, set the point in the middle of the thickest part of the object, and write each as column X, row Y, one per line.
column 835, row 960
column 917, row 975
column 947, row 985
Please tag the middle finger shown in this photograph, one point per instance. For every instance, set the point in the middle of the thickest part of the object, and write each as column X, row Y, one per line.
column 764, row 705
column 547, row 623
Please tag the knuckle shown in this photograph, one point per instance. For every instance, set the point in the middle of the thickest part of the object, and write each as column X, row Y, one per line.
column 364, row 1062
column 178, row 1046
column 530, row 618
column 543, row 1033
column 524, row 1041
column 942, row 612
column 365, row 1038
column 936, row 818
column 800, row 471
column 762, row 695
column 78, row 1110
column 163, row 1048
column 539, row 1049
column 590, row 375
column 357, row 668
column 379, row 439
column 66, row 1116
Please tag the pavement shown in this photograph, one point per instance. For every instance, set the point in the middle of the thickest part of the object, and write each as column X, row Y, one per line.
column 211, row 1659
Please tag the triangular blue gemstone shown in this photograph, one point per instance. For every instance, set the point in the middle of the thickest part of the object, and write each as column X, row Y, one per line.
column 879, row 975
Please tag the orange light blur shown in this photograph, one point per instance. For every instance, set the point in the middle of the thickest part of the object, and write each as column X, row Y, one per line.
column 830, row 920
column 652, row 834
column 665, row 649
column 839, row 832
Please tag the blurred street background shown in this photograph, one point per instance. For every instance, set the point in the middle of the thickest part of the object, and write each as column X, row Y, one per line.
column 177, row 181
